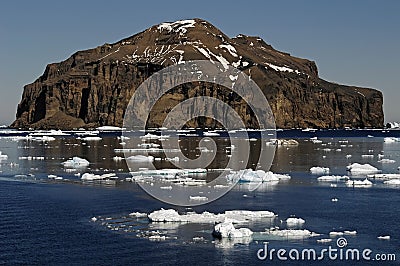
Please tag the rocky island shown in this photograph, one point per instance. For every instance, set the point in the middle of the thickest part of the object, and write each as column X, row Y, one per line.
column 93, row 87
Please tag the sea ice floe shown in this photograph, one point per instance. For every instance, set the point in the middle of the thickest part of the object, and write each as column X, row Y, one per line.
column 198, row 198
column 140, row 158
column 293, row 222
column 138, row 214
column 386, row 161
column 118, row 158
column 332, row 178
column 315, row 140
column 235, row 216
column 391, row 140
column 359, row 169
column 109, row 128
column 317, row 170
column 248, row 175
column 290, row 233
column 385, row 176
column 350, row 233
column 91, row 138
column 76, row 162
column 227, row 230
column 335, row 234
column 359, row 183
column 367, row 156
column 93, row 177
column 42, row 138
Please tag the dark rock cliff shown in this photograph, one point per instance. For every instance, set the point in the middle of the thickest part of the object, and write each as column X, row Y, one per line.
column 93, row 87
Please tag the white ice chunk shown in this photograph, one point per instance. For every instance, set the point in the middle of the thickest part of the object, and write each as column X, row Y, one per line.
column 316, row 170
column 118, row 158
column 291, row 233
column 350, row 233
column 235, row 216
column 386, row 161
column 391, row 140
column 140, row 158
column 138, row 214
column 227, row 230
column 109, row 128
column 324, row 240
column 357, row 168
column 76, row 162
column 248, row 175
column 93, row 177
column 359, row 183
column 335, row 234
column 293, row 221
column 198, row 198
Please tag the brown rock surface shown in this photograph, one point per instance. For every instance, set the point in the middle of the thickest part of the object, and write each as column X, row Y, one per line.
column 93, row 87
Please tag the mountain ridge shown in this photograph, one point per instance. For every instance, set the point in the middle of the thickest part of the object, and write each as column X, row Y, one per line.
column 92, row 87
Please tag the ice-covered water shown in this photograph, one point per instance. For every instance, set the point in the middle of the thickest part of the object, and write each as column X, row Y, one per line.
column 49, row 215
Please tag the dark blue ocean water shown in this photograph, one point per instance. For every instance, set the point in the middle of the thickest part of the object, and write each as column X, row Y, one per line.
column 46, row 222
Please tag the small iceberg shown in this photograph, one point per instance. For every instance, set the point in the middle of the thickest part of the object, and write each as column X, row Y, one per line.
column 91, row 138
column 317, row 170
column 76, row 162
column 335, row 234
column 140, row 158
column 324, row 240
column 94, row 177
column 234, row 216
column 359, row 183
column 359, row 169
column 138, row 214
column 290, row 233
column 293, row 222
column 332, row 178
column 109, row 128
column 227, row 230
column 391, row 140
column 350, row 233
column 248, row 175
column 197, row 198
column 386, row 161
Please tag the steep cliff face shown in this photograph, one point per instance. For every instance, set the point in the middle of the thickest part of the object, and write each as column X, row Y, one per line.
column 93, row 87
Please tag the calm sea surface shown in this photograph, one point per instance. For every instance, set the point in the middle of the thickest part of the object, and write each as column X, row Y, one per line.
column 46, row 221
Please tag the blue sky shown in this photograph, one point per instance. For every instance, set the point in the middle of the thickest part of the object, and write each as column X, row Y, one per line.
column 352, row 42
